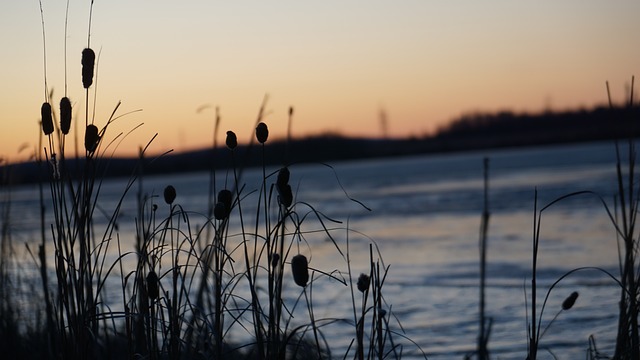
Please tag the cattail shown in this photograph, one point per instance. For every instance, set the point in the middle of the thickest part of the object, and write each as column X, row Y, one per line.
column 232, row 140
column 88, row 61
column 91, row 138
column 65, row 115
column 275, row 259
column 363, row 282
column 47, row 118
column 283, row 177
column 152, row 285
column 283, row 187
column 262, row 133
column 220, row 211
column 286, row 195
column 169, row 194
column 300, row 269
column 223, row 206
column 225, row 196
column 570, row 301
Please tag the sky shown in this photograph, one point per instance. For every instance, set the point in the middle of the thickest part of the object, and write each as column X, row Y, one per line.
column 337, row 63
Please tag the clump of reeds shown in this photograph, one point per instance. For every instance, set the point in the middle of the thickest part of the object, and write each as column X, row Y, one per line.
column 374, row 337
column 193, row 287
column 628, row 337
column 626, row 206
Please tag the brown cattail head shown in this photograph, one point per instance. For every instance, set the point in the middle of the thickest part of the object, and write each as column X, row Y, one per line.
column 283, row 187
column 47, row 118
column 262, row 133
column 226, row 197
column 570, row 301
column 283, row 177
column 91, row 138
column 169, row 194
column 363, row 282
column 286, row 195
column 300, row 269
column 232, row 140
column 152, row 285
column 220, row 211
column 65, row 115
column 88, row 62
column 275, row 259
column 223, row 206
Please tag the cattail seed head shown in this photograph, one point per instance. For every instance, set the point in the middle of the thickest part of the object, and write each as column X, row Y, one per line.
column 232, row 140
column 47, row 118
column 223, row 207
column 169, row 194
column 226, row 197
column 570, row 301
column 300, row 269
column 88, row 62
column 65, row 115
column 152, row 285
column 286, row 195
column 363, row 282
column 262, row 133
column 91, row 138
column 220, row 211
column 275, row 258
column 283, row 177
column 283, row 187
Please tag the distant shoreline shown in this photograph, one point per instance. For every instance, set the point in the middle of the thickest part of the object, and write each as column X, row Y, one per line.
column 469, row 133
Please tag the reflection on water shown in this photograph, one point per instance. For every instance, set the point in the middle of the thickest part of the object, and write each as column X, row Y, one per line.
column 425, row 218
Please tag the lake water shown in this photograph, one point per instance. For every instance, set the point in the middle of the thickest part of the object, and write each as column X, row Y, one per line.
column 424, row 217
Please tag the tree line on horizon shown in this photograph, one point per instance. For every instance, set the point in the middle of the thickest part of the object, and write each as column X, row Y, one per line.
column 469, row 132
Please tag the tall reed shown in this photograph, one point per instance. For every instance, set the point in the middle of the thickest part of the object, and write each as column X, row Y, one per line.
column 623, row 219
column 628, row 199
column 197, row 280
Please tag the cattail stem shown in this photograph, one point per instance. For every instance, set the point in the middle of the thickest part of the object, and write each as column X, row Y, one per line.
column 483, row 336
column 314, row 327
column 66, row 22
column 44, row 53
column 89, row 27
column 533, row 335
column 252, row 286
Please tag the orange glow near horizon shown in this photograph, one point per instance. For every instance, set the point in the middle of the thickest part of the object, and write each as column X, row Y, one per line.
column 423, row 62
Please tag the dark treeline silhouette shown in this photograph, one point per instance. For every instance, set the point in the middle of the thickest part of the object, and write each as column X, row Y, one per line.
column 470, row 132
column 507, row 129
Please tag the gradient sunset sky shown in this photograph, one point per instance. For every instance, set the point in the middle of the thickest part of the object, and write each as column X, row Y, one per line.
column 338, row 63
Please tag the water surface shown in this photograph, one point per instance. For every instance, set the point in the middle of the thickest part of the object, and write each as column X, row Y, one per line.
column 423, row 214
